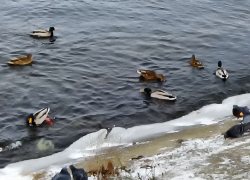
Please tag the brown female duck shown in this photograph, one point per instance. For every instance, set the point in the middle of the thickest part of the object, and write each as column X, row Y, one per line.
column 151, row 75
column 21, row 60
column 196, row 63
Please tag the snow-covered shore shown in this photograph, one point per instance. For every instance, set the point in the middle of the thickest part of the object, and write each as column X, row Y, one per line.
column 188, row 147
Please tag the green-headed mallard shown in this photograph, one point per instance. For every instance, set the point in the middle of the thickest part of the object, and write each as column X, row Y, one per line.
column 21, row 60
column 42, row 33
column 151, row 75
column 196, row 63
column 159, row 94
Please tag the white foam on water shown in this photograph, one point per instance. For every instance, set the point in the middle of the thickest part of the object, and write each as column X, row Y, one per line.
column 11, row 146
column 94, row 143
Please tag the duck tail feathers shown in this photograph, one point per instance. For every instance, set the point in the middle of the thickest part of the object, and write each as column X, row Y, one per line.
column 44, row 110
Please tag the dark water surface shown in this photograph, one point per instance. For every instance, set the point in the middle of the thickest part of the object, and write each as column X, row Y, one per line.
column 88, row 77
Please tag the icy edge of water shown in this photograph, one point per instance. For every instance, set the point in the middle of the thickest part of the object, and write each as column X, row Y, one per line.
column 93, row 143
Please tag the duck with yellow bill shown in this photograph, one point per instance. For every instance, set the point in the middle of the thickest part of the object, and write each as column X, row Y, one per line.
column 39, row 117
column 239, row 111
column 43, row 33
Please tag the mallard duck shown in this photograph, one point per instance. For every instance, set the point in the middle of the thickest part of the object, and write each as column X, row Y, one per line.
column 240, row 111
column 151, row 75
column 196, row 63
column 42, row 33
column 39, row 117
column 237, row 130
column 220, row 72
column 21, row 60
column 159, row 94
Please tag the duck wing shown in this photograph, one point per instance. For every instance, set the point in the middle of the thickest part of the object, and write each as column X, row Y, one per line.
column 17, row 60
column 198, row 63
column 146, row 72
column 14, row 61
column 20, row 61
column 160, row 94
column 236, row 131
column 41, row 115
column 40, row 31
column 222, row 73
column 41, row 34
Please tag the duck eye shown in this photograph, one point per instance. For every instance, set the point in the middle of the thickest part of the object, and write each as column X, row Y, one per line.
column 30, row 120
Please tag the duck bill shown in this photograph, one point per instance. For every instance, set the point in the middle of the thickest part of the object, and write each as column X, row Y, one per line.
column 30, row 121
column 241, row 114
column 55, row 29
column 142, row 91
column 49, row 121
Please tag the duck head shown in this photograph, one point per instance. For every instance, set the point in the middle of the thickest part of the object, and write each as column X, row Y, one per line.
column 160, row 77
column 147, row 91
column 30, row 120
column 237, row 112
column 219, row 64
column 193, row 57
column 51, row 29
column 226, row 135
column 64, row 171
column 72, row 168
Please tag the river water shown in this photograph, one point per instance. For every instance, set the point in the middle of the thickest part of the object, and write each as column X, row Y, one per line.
column 88, row 77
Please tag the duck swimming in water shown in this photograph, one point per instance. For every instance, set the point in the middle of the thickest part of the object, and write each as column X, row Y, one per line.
column 220, row 72
column 151, row 75
column 159, row 94
column 21, row 60
column 42, row 33
column 39, row 117
column 196, row 63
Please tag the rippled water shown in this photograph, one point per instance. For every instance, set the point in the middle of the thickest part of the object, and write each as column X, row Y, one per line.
column 88, row 77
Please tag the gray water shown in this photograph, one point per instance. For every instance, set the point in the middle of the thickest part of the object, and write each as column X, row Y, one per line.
column 88, row 76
